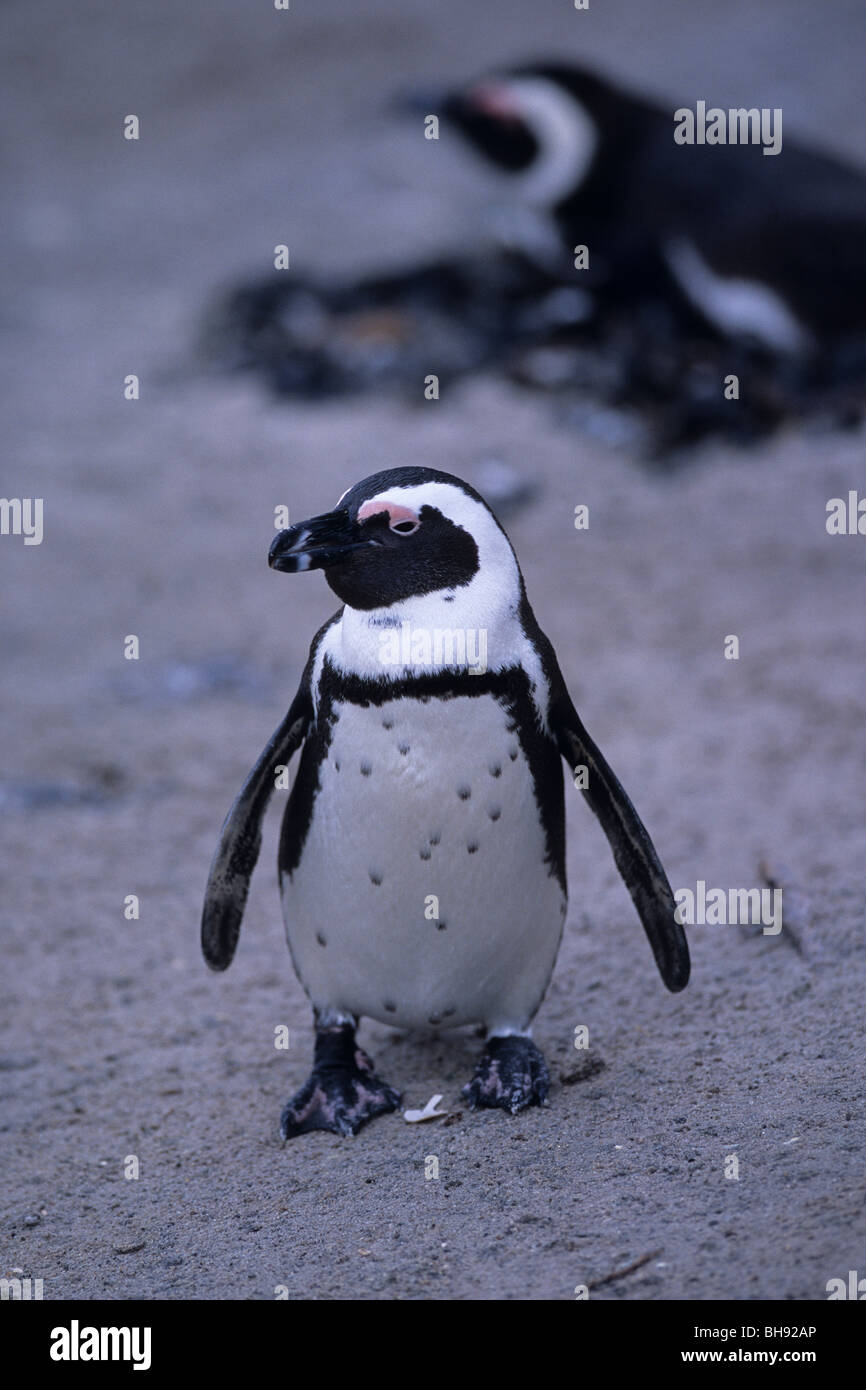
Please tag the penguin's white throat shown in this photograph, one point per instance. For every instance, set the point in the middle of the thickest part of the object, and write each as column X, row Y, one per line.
column 426, row 636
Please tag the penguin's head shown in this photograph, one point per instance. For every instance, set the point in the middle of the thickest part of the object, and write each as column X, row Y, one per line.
column 403, row 535
column 542, row 125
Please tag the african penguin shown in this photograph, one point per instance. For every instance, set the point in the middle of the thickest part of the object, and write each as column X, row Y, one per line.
column 422, row 852
column 764, row 251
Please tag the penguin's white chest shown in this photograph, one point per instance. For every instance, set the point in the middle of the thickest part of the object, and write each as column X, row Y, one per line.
column 423, row 896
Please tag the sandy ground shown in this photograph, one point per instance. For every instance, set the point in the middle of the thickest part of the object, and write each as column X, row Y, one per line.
column 259, row 127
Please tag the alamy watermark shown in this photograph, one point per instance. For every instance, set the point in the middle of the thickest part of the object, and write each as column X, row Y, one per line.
column 435, row 647
column 853, row 1288
column 846, row 516
column 20, row 1290
column 723, row 907
column 22, row 516
column 77, row 1343
column 739, row 125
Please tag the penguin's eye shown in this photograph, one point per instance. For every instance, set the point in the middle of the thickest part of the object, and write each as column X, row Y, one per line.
column 404, row 528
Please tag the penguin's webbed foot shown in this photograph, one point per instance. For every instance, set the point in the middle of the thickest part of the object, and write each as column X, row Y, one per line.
column 342, row 1093
column 511, row 1075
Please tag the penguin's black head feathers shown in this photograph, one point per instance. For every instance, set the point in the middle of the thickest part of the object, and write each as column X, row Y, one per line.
column 399, row 534
column 542, row 122
column 492, row 126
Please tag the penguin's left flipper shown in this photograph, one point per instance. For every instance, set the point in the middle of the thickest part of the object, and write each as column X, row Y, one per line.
column 241, row 838
column 633, row 850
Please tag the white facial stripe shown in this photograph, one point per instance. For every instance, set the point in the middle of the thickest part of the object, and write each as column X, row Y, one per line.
column 458, row 506
column 566, row 135
column 735, row 305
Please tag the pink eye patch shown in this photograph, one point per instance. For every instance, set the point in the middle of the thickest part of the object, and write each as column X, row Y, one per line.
column 399, row 517
column 496, row 101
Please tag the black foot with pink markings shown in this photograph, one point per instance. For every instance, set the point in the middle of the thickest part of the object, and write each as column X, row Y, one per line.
column 511, row 1075
column 343, row 1092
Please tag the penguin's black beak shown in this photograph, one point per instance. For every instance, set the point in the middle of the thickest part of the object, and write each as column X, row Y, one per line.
column 318, row 543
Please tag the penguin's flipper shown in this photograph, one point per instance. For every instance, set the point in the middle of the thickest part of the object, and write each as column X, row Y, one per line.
column 633, row 850
column 241, row 838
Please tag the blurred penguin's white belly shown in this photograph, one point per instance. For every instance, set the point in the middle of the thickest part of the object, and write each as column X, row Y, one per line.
column 422, row 896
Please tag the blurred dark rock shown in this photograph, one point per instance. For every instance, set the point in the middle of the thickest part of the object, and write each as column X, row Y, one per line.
column 647, row 381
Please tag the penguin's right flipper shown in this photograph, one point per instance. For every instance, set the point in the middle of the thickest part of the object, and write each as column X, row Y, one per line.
column 633, row 851
column 241, row 838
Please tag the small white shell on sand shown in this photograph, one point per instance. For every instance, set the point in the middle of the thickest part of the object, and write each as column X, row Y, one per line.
column 414, row 1117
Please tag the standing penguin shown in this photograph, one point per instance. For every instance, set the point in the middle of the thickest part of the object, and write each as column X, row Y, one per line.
column 422, row 854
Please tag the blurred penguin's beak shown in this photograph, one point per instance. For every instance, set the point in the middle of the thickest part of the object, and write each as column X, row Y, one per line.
column 318, row 543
